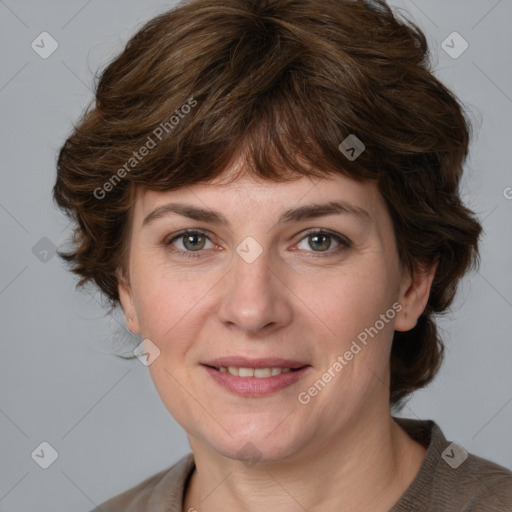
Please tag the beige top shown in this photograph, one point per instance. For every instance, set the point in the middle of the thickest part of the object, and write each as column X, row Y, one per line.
column 446, row 481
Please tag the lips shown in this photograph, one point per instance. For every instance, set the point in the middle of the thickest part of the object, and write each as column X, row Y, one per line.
column 264, row 362
column 250, row 377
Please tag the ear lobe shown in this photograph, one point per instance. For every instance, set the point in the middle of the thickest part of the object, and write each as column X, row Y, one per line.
column 126, row 300
column 414, row 295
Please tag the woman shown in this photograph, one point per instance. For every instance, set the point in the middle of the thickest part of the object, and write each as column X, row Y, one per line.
column 269, row 190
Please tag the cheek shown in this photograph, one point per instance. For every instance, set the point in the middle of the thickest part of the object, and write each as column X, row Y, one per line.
column 350, row 311
column 358, row 315
column 353, row 299
column 168, row 302
column 156, row 308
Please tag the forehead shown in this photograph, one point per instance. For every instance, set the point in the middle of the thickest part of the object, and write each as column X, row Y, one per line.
column 248, row 195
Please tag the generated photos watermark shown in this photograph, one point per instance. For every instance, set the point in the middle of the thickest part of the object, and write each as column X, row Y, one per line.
column 304, row 397
column 144, row 150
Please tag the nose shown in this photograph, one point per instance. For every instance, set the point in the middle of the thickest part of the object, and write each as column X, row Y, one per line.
column 255, row 299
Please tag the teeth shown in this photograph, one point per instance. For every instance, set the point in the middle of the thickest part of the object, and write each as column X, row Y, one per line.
column 262, row 372
column 245, row 372
column 253, row 372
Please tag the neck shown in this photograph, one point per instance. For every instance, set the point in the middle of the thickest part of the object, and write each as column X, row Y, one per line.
column 367, row 467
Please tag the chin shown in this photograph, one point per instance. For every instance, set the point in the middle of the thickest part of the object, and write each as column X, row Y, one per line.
column 255, row 444
column 255, row 451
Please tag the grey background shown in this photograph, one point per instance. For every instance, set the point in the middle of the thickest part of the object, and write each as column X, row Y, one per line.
column 59, row 382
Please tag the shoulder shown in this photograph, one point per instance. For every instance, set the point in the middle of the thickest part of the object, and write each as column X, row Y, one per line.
column 453, row 479
column 160, row 492
column 486, row 485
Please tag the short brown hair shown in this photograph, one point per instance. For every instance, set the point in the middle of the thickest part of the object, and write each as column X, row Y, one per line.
column 280, row 83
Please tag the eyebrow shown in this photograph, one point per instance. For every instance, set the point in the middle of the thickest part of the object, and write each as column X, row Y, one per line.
column 292, row 215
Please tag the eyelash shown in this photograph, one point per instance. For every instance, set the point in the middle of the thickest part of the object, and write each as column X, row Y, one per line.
column 344, row 243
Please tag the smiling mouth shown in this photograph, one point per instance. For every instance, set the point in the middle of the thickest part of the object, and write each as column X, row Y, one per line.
column 240, row 371
column 255, row 380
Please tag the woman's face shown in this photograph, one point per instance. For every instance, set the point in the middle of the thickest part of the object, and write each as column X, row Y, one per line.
column 264, row 276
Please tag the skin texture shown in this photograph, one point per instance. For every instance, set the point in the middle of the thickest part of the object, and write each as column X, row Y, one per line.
column 340, row 451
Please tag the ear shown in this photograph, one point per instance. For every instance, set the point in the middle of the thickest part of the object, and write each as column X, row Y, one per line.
column 414, row 293
column 126, row 299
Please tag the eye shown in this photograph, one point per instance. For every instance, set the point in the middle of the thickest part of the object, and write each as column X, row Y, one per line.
column 321, row 240
column 192, row 241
